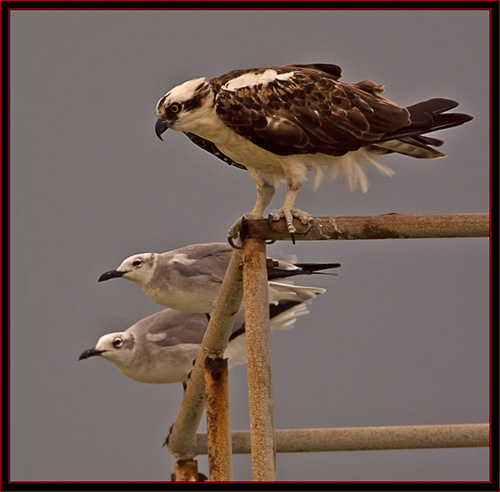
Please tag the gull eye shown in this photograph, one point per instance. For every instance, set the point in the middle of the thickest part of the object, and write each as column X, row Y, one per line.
column 137, row 263
column 175, row 108
column 117, row 342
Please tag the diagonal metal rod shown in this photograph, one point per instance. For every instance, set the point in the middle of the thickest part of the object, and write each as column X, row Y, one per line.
column 260, row 396
column 366, row 438
column 181, row 441
column 388, row 226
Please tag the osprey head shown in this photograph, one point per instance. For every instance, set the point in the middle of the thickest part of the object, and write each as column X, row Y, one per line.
column 175, row 107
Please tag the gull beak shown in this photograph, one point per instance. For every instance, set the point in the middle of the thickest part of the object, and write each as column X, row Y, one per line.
column 161, row 127
column 90, row 353
column 110, row 274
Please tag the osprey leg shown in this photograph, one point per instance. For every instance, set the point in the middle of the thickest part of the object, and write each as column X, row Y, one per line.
column 289, row 212
column 265, row 193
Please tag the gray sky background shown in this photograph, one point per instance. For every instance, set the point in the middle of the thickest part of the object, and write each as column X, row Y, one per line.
column 400, row 338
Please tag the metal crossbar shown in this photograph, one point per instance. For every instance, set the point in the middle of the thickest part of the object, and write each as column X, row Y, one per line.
column 387, row 226
column 365, row 438
column 251, row 284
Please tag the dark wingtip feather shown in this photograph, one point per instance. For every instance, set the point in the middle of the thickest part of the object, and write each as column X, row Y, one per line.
column 434, row 106
column 429, row 116
column 436, row 142
column 314, row 267
column 305, row 269
column 449, row 120
column 432, row 114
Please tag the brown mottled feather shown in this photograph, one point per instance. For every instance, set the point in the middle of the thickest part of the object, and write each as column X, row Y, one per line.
column 314, row 112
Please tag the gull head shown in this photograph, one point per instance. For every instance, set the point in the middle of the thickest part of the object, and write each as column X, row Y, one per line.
column 137, row 268
column 118, row 348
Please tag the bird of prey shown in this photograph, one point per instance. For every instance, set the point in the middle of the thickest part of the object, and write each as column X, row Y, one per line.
column 189, row 278
column 280, row 122
column 161, row 347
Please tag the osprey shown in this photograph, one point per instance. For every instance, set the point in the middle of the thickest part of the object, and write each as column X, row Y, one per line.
column 280, row 122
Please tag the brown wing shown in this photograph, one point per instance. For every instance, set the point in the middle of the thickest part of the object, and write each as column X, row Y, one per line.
column 309, row 112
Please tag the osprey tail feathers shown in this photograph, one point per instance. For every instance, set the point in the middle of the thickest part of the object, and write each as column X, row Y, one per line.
column 426, row 117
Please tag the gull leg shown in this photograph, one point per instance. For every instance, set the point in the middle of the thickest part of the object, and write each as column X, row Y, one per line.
column 265, row 193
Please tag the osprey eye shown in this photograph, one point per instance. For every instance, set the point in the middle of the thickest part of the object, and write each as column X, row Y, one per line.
column 117, row 342
column 175, row 108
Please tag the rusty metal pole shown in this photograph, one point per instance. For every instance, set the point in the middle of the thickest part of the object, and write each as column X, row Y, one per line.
column 387, row 226
column 185, row 471
column 255, row 297
column 366, row 438
column 220, row 457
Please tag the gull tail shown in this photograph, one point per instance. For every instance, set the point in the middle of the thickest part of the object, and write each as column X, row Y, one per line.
column 282, row 314
column 279, row 291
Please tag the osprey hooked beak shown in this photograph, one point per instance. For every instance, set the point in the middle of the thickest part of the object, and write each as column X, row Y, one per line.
column 110, row 274
column 90, row 353
column 161, row 127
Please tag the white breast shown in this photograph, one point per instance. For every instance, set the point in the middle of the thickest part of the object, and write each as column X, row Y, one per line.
column 172, row 365
column 187, row 298
column 206, row 123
